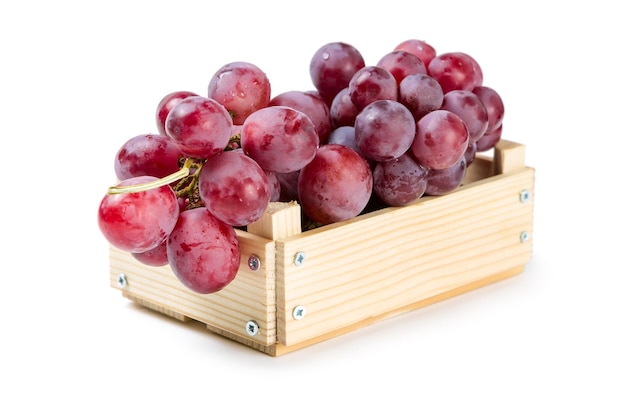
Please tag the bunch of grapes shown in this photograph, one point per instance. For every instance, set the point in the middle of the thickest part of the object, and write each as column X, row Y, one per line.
column 367, row 136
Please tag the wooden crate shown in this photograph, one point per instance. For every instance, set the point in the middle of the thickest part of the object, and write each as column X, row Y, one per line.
column 294, row 288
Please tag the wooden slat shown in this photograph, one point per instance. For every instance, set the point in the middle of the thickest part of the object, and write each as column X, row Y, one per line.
column 396, row 257
column 251, row 295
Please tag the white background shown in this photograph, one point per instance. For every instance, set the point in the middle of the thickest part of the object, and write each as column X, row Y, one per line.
column 80, row 78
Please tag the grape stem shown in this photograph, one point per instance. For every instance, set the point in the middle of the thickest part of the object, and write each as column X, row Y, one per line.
column 135, row 188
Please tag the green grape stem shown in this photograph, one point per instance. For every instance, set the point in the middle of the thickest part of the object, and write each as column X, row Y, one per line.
column 190, row 166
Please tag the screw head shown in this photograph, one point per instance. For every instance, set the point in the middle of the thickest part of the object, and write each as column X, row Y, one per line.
column 254, row 263
column 252, row 328
column 524, row 236
column 298, row 312
column 121, row 280
column 524, row 196
column 299, row 258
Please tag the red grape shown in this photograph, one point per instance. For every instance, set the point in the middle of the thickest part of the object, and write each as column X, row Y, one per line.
column 402, row 63
column 203, row 251
column 336, row 185
column 153, row 257
column 332, row 66
column 274, row 184
column 138, row 221
column 421, row 94
column 469, row 107
column 234, row 188
column 489, row 140
column 384, row 130
column 310, row 104
column 242, row 88
column 443, row 181
column 288, row 185
column 166, row 104
column 343, row 111
column 200, row 126
column 401, row 181
column 153, row 155
column 455, row 71
column 372, row 83
column 419, row 48
column 279, row 138
column 441, row 139
column 494, row 105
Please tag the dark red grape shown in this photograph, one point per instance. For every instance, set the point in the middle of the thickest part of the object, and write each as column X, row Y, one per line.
column 203, row 251
column 489, row 140
column 421, row 94
column 274, row 184
column 154, row 257
column 441, row 139
column 279, row 138
column 199, row 126
column 372, row 83
column 310, row 104
column 400, row 181
column 443, row 181
column 384, row 130
column 402, row 63
column 455, row 71
column 494, row 105
column 288, row 185
column 336, row 185
column 138, row 221
column 242, row 88
column 147, row 154
column 234, row 188
column 469, row 107
column 419, row 48
column 332, row 66
column 166, row 104
column 343, row 111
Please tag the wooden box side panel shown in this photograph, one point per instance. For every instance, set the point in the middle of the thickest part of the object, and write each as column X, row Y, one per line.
column 368, row 267
column 250, row 296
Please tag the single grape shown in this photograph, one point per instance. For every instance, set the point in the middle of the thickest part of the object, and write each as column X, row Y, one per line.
column 332, row 66
column 455, row 71
column 138, row 221
column 372, row 83
column 443, row 181
column 469, row 107
column 242, row 88
column 384, row 130
column 494, row 105
column 335, row 186
column 402, row 63
column 203, row 252
column 489, row 140
column 147, row 154
column 401, row 181
column 343, row 111
column 279, row 138
column 153, row 257
column 421, row 94
column 419, row 48
column 470, row 153
column 199, row 126
column 441, row 139
column 234, row 188
column 166, row 104
column 310, row 104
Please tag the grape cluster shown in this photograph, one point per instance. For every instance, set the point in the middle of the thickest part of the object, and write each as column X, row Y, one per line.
column 367, row 136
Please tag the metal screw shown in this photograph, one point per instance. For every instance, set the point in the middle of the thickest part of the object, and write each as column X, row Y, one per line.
column 524, row 236
column 524, row 196
column 298, row 259
column 254, row 262
column 252, row 328
column 298, row 312
column 121, row 280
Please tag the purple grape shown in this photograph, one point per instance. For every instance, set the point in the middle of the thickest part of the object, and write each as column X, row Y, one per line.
column 443, row 181
column 421, row 94
column 370, row 84
column 401, row 181
column 332, row 66
column 441, row 139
